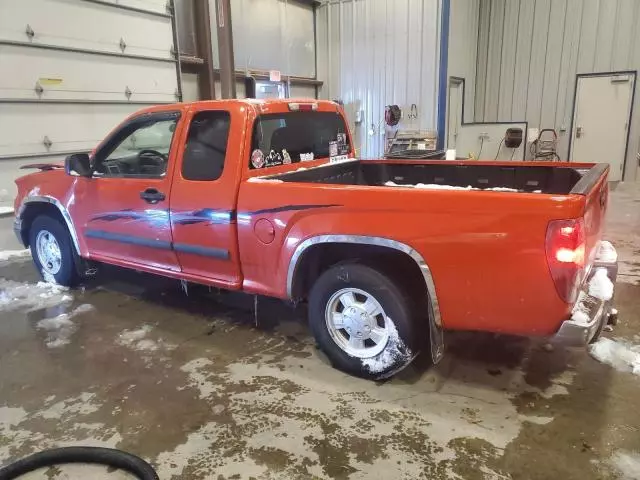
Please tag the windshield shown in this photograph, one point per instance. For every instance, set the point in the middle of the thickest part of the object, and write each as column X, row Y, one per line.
column 292, row 137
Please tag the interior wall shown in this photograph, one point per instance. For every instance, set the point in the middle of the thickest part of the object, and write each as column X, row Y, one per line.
column 462, row 57
column 529, row 52
column 373, row 53
column 270, row 35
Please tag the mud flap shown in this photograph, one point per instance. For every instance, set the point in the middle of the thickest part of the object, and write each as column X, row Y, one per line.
column 436, row 338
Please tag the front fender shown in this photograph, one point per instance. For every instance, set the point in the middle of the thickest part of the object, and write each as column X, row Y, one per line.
column 52, row 188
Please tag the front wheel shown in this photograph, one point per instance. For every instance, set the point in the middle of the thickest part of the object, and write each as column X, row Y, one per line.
column 52, row 251
column 362, row 321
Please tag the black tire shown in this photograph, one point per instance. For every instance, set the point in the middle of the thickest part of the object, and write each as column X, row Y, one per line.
column 68, row 274
column 396, row 305
column 94, row 455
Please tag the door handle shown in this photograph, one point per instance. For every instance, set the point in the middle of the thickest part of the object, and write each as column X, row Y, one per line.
column 152, row 195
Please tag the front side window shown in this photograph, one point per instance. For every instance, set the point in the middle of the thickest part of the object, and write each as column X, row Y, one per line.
column 206, row 146
column 140, row 149
column 293, row 137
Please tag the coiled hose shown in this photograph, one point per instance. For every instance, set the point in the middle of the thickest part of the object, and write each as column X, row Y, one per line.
column 93, row 455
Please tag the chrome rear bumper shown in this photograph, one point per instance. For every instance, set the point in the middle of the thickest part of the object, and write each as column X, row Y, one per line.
column 580, row 333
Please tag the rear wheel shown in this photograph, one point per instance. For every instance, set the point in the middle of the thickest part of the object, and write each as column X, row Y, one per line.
column 52, row 251
column 362, row 321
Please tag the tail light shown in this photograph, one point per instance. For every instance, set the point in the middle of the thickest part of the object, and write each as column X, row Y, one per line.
column 565, row 247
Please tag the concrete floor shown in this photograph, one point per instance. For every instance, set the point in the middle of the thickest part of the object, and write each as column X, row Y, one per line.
column 191, row 385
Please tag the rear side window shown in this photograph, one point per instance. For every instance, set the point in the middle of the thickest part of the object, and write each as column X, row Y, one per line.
column 206, row 147
column 292, row 137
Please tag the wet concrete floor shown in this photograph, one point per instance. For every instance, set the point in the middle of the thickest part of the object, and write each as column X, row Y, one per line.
column 193, row 386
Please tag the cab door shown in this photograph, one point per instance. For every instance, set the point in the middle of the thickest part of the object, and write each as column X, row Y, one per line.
column 204, row 195
column 123, row 210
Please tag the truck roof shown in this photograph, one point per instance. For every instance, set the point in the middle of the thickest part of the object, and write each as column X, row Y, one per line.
column 267, row 102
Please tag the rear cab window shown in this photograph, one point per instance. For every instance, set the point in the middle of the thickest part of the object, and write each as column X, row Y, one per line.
column 297, row 137
column 206, row 146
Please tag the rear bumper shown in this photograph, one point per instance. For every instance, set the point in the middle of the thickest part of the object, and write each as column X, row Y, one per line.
column 580, row 333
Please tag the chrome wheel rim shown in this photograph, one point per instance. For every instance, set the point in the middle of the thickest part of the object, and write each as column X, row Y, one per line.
column 48, row 251
column 357, row 323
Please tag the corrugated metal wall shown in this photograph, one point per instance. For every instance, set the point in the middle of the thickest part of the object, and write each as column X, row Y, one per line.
column 463, row 39
column 529, row 52
column 270, row 35
column 373, row 53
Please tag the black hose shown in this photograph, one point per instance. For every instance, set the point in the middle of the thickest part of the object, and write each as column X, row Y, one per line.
column 94, row 455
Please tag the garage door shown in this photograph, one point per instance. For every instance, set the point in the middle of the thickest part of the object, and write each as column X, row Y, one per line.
column 70, row 70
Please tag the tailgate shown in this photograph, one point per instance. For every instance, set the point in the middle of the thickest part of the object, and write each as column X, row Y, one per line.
column 595, row 187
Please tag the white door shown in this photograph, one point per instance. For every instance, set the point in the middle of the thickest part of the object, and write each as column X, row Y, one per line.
column 601, row 120
column 454, row 112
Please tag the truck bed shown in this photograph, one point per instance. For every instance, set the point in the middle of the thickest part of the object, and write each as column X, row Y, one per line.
column 512, row 176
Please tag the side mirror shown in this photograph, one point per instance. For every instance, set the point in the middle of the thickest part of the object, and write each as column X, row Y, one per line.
column 78, row 164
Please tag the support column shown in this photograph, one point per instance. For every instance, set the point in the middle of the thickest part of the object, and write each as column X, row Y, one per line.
column 225, row 49
column 206, row 83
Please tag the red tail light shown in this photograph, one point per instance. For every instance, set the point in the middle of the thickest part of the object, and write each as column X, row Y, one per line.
column 565, row 247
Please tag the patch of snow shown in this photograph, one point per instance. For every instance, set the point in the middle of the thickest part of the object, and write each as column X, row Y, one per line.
column 15, row 295
column 60, row 328
column 395, row 352
column 130, row 337
column 621, row 355
column 502, row 189
column 10, row 254
column 198, row 376
column 12, row 416
column 607, row 252
column 429, row 186
column 136, row 340
column 263, row 180
column 579, row 314
column 48, row 278
column 600, row 286
column 538, row 420
column 6, row 210
column 83, row 404
column 437, row 186
column 627, row 464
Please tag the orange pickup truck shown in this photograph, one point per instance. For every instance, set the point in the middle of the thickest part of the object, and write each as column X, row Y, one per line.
column 266, row 197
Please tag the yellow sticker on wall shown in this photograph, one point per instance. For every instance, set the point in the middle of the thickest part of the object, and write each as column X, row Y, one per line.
column 49, row 81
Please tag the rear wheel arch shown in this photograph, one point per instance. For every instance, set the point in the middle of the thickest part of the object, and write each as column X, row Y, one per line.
column 316, row 254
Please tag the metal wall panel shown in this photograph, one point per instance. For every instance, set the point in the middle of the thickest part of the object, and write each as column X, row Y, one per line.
column 463, row 41
column 492, row 87
column 524, row 32
column 508, row 60
column 270, row 35
column 554, row 41
column 380, row 52
column 589, row 33
column 540, row 43
column 484, row 19
column 557, row 17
